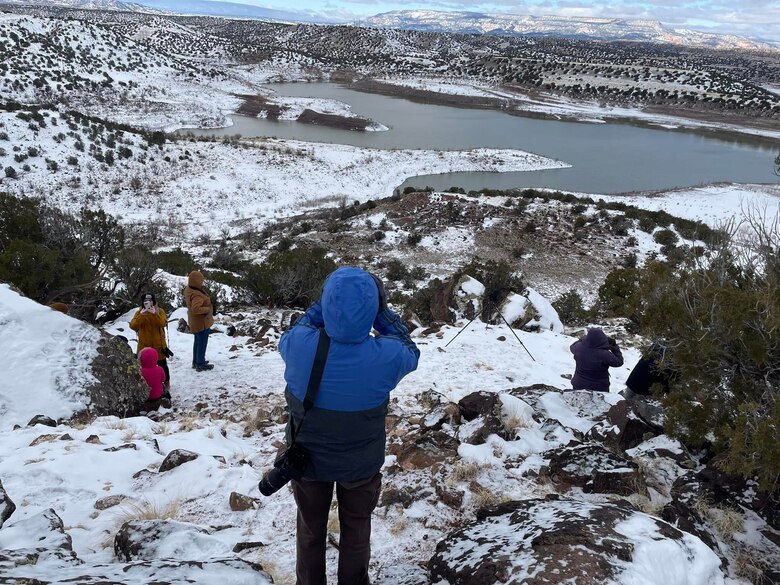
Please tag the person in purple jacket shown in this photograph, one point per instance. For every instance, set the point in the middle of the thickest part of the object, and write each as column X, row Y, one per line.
column 594, row 354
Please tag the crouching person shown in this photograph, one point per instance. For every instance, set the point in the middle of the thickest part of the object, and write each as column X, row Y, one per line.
column 154, row 376
column 339, row 380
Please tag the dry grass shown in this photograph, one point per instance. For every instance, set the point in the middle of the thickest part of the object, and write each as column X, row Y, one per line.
column 727, row 522
column 115, row 425
column 188, row 423
column 748, row 565
column 484, row 498
column 465, row 471
column 514, row 423
column 398, row 527
column 646, row 505
column 162, row 428
column 149, row 510
column 130, row 435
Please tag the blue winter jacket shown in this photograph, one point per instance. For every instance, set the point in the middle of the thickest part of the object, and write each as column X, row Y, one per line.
column 345, row 431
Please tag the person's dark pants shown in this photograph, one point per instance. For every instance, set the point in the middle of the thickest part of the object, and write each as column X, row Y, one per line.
column 164, row 365
column 355, row 507
column 199, row 344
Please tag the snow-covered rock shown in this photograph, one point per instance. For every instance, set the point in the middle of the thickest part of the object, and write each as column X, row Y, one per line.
column 556, row 541
column 61, row 365
column 7, row 506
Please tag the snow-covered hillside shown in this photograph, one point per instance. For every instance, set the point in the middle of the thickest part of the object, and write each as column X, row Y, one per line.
column 608, row 29
column 168, row 481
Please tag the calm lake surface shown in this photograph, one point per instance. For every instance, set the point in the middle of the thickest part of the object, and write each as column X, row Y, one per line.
column 606, row 158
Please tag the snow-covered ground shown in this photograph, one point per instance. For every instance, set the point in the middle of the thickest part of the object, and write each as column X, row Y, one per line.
column 212, row 411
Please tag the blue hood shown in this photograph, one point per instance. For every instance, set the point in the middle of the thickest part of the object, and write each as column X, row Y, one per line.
column 350, row 302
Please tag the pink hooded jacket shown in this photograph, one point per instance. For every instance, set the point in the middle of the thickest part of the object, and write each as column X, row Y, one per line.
column 152, row 373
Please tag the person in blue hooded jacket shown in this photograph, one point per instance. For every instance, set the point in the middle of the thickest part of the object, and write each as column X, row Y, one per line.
column 344, row 432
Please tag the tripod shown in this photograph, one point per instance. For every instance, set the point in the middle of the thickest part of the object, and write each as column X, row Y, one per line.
column 507, row 324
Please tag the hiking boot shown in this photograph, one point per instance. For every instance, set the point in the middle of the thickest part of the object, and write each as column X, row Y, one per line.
column 204, row 368
column 194, row 367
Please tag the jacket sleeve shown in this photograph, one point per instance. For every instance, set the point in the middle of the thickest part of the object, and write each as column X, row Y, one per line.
column 311, row 319
column 573, row 345
column 388, row 324
column 135, row 323
column 614, row 358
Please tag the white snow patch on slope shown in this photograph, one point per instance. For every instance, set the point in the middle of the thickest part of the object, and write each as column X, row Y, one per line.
column 48, row 360
column 662, row 561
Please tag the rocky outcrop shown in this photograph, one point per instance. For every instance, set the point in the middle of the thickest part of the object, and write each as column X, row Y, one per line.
column 594, row 469
column 629, row 423
column 715, row 506
column 38, row 551
column 482, row 412
column 175, row 458
column 119, row 389
column 424, row 449
column 7, row 506
column 544, row 541
column 39, row 539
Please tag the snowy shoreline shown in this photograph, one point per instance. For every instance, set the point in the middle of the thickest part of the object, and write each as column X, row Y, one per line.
column 474, row 95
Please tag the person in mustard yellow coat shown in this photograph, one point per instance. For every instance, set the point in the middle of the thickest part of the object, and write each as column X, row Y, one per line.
column 200, row 317
column 150, row 322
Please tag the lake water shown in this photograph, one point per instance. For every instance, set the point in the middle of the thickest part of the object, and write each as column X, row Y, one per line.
column 606, row 158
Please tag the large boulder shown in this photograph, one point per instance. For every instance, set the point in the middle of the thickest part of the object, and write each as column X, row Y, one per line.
column 7, row 506
column 593, row 468
column 118, row 389
column 544, row 541
column 65, row 367
column 629, row 423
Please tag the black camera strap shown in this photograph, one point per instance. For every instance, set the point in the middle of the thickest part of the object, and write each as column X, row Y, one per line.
column 315, row 378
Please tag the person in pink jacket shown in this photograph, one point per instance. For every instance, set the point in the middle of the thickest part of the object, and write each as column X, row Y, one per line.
column 154, row 376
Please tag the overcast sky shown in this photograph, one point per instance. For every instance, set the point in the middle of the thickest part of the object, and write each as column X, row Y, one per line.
column 756, row 18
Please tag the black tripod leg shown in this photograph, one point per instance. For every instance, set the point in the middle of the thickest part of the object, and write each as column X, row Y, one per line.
column 461, row 331
column 515, row 334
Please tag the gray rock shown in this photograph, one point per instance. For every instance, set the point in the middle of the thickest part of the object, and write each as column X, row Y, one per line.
column 7, row 506
column 119, row 389
column 41, row 419
column 109, row 502
column 132, row 446
column 240, row 502
column 538, row 541
column 177, row 457
column 595, row 469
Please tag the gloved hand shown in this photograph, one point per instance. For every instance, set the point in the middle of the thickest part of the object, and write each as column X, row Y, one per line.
column 382, row 294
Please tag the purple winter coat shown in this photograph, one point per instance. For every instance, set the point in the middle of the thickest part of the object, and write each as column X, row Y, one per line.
column 594, row 356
